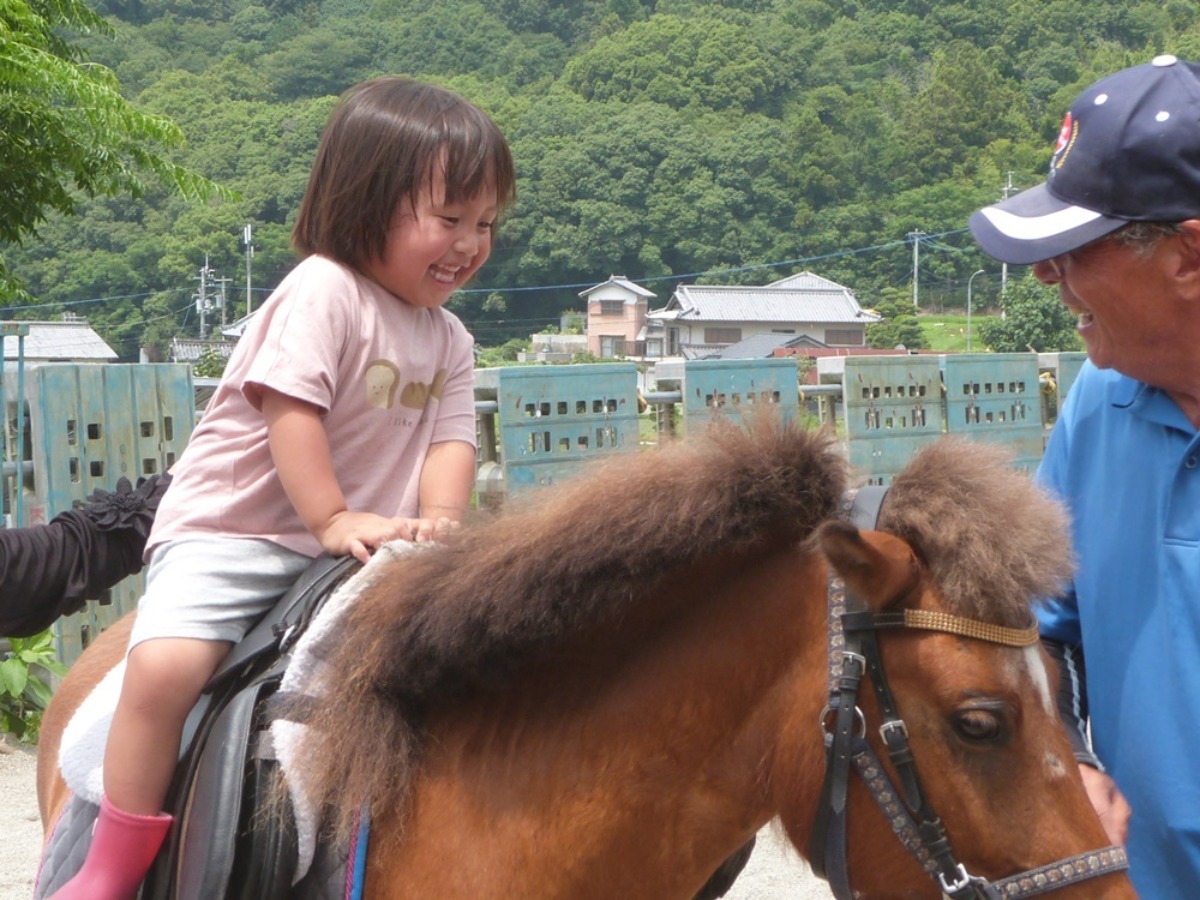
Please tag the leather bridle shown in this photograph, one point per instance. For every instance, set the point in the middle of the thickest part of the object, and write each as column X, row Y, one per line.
column 853, row 652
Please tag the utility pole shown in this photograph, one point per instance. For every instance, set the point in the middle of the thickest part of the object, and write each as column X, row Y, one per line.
column 202, row 297
column 221, row 296
column 248, row 239
column 915, row 237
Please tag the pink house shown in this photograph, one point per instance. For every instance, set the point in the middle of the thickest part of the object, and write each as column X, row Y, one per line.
column 616, row 318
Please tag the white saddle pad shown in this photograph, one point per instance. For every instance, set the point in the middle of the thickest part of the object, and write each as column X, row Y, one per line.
column 81, row 754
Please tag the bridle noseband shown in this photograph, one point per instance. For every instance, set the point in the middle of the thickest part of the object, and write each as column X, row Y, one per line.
column 853, row 652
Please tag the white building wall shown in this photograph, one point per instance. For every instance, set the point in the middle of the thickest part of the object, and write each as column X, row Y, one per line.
column 693, row 332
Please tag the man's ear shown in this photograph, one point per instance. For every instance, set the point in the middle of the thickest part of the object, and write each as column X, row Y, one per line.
column 1187, row 261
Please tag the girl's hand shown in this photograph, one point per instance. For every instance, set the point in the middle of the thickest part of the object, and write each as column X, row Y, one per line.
column 422, row 530
column 358, row 533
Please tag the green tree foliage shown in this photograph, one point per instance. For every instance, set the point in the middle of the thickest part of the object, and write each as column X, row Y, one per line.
column 1034, row 320
column 25, row 671
column 503, row 354
column 211, row 364
column 65, row 127
column 899, row 326
column 669, row 141
column 704, row 62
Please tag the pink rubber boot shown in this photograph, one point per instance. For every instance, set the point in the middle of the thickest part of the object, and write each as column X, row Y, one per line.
column 122, row 851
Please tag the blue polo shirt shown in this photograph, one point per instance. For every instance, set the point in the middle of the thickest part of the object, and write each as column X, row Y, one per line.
column 1127, row 462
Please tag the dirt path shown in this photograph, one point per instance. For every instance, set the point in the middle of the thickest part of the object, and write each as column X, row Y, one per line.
column 22, row 831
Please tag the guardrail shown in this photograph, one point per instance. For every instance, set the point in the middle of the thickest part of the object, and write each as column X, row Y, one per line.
column 91, row 424
column 534, row 422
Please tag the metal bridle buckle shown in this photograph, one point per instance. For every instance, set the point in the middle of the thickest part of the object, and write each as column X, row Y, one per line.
column 853, row 665
column 859, row 719
column 893, row 725
column 962, row 881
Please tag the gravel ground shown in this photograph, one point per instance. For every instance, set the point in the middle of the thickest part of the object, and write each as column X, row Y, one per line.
column 21, row 838
column 775, row 871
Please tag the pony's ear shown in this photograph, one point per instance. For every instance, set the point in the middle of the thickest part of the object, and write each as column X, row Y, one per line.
column 878, row 567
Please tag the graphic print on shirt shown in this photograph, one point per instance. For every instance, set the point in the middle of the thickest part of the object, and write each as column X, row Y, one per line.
column 383, row 377
column 415, row 395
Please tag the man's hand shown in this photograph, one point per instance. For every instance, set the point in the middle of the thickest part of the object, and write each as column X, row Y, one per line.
column 1110, row 804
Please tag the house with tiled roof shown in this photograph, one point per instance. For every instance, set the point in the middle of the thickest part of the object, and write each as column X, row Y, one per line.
column 192, row 350
column 702, row 320
column 71, row 341
column 616, row 318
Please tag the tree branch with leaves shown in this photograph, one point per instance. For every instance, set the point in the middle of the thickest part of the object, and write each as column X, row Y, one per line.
column 66, row 129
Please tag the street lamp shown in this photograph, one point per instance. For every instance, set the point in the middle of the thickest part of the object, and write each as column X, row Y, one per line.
column 969, row 280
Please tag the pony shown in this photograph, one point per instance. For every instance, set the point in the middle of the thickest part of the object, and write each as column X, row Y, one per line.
column 612, row 685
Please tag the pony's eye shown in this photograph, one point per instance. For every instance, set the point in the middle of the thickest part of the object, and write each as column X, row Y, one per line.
column 979, row 726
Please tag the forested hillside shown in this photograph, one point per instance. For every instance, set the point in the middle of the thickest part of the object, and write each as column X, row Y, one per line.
column 692, row 140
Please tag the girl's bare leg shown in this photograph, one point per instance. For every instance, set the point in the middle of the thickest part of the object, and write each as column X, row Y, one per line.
column 163, row 679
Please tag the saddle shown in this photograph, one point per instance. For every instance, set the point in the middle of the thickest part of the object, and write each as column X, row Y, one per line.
column 235, row 835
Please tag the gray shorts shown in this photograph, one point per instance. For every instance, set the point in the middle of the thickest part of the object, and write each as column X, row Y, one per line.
column 213, row 588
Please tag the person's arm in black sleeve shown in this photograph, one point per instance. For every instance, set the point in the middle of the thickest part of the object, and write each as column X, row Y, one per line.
column 51, row 570
column 1072, row 698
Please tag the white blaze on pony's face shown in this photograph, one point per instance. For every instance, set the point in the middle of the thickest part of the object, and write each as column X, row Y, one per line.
column 1030, row 664
column 1038, row 673
column 1035, row 663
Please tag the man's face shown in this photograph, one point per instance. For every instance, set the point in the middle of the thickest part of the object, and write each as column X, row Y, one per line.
column 1128, row 311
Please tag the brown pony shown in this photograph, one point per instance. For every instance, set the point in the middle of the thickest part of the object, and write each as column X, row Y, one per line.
column 607, row 691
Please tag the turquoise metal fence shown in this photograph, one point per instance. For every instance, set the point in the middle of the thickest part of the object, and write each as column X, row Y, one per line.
column 996, row 397
column 733, row 388
column 893, row 407
column 93, row 424
column 1069, row 365
column 553, row 420
column 12, row 427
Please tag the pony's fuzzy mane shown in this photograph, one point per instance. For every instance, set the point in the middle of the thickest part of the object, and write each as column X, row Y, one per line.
column 440, row 624
column 992, row 539
column 437, row 625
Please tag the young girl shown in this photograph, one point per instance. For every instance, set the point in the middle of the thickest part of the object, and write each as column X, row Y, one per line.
column 345, row 419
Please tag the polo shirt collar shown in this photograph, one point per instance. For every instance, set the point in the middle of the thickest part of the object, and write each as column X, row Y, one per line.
column 1151, row 404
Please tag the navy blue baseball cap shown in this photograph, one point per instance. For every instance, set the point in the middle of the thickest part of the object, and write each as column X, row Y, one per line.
column 1128, row 151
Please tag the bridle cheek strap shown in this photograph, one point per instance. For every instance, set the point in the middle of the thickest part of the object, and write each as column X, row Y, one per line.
column 853, row 652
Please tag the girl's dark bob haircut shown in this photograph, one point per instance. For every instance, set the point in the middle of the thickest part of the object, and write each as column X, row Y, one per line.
column 383, row 140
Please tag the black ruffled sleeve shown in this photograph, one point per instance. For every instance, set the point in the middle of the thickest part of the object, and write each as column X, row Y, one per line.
column 51, row 570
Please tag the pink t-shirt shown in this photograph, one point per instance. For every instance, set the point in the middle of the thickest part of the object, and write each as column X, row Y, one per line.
column 389, row 378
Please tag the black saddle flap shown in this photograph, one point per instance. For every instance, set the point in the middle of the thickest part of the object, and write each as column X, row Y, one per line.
column 229, row 842
column 208, row 826
column 293, row 611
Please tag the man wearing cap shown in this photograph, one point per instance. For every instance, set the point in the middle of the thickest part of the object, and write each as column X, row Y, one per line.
column 1116, row 226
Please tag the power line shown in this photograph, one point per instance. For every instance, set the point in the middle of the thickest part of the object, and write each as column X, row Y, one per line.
column 727, row 271
column 58, row 303
column 516, row 289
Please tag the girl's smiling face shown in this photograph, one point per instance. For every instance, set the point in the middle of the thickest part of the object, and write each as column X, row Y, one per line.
column 434, row 247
